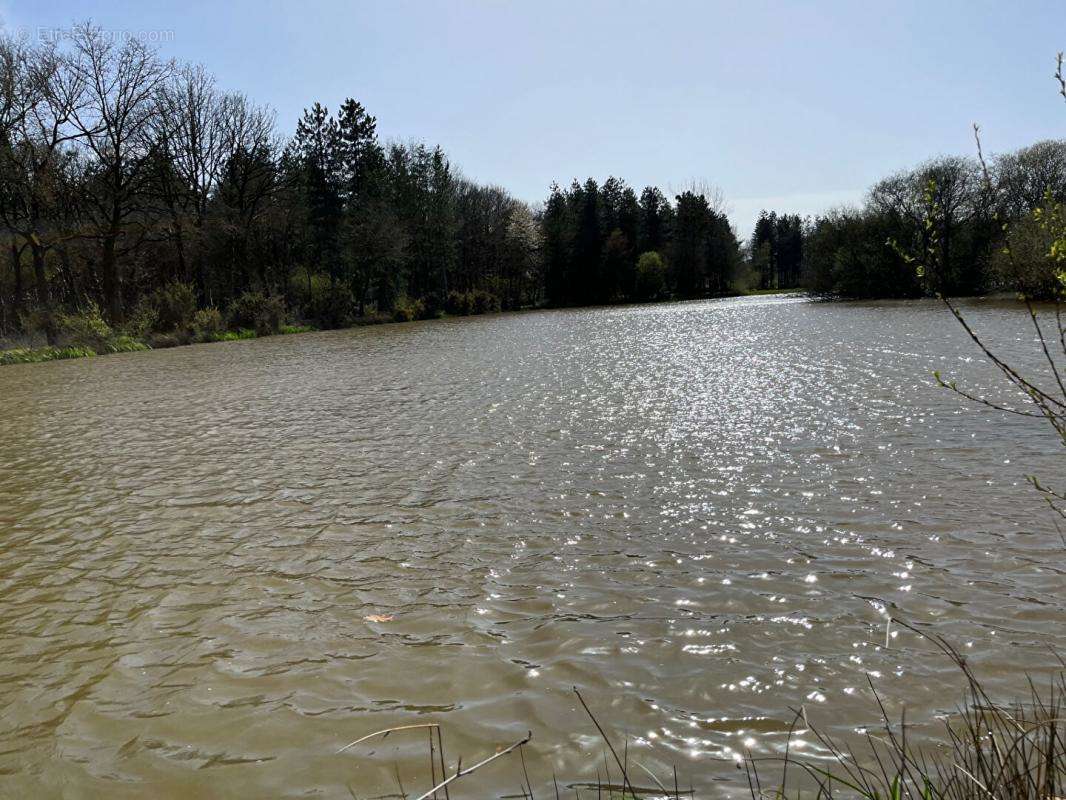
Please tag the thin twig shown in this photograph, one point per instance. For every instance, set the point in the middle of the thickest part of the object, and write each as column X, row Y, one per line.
column 460, row 772
column 386, row 732
column 618, row 761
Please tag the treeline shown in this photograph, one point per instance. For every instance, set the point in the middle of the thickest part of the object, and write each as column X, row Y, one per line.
column 135, row 195
column 138, row 198
column 777, row 249
column 603, row 244
column 137, row 188
column 951, row 216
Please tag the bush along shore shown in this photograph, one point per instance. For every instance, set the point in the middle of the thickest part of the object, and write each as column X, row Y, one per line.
column 169, row 317
column 166, row 318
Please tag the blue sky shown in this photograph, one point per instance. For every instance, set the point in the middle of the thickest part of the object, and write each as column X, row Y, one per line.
column 797, row 106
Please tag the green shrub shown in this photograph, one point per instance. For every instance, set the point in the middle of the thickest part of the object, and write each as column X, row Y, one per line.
column 330, row 311
column 482, row 302
column 125, row 344
column 302, row 290
column 262, row 313
column 84, row 334
column 169, row 308
column 477, row 301
column 373, row 318
column 1031, row 265
column 651, row 276
column 142, row 321
column 432, row 306
column 21, row 355
column 235, row 336
column 174, row 304
column 161, row 341
column 207, row 324
column 327, row 306
column 84, row 329
column 27, row 356
column 458, row 303
column 289, row 329
column 407, row 310
column 62, row 353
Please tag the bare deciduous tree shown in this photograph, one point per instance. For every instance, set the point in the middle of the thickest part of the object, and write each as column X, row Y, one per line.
column 121, row 83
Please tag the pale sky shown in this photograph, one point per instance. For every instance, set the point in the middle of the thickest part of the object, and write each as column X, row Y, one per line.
column 797, row 106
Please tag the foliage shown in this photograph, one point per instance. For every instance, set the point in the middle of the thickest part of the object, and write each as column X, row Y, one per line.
column 483, row 302
column 143, row 321
column 206, row 325
column 208, row 206
column 777, row 248
column 477, row 301
column 1052, row 220
column 651, row 277
column 325, row 305
column 941, row 228
column 174, row 305
column 125, row 344
column 407, row 310
column 432, row 306
column 82, row 334
column 592, row 236
column 1029, row 266
column 235, row 336
column 846, row 254
column 704, row 254
column 85, row 329
column 261, row 312
column 458, row 303
column 1040, row 392
column 28, row 356
column 139, row 184
column 162, row 341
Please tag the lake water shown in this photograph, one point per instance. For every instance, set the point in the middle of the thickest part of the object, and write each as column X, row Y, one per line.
column 222, row 563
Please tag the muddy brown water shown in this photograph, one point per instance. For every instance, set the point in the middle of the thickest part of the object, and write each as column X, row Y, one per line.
column 699, row 514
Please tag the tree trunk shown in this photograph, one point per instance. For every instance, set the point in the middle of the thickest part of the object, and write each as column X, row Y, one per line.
column 179, row 246
column 44, row 294
column 199, row 276
column 109, row 267
column 110, row 280
column 16, row 266
column 40, row 278
column 66, row 275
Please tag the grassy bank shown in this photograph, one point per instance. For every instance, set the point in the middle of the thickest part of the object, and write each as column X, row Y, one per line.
column 125, row 344
column 25, row 355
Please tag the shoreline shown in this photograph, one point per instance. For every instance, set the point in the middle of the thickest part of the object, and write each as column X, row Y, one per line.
column 40, row 355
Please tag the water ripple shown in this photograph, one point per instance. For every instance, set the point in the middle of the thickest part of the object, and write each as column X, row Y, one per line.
column 220, row 563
